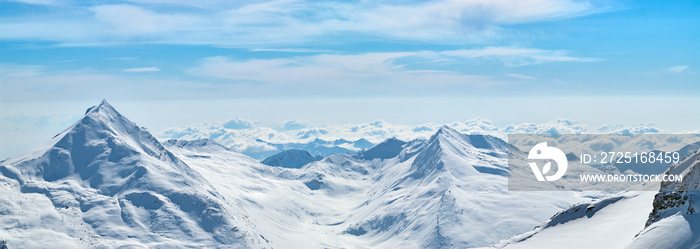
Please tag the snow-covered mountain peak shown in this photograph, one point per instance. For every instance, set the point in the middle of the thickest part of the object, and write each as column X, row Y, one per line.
column 390, row 148
column 100, row 148
column 102, row 107
column 447, row 150
column 110, row 173
column 447, row 135
column 447, row 132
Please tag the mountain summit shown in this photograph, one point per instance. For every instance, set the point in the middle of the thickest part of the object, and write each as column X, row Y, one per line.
column 117, row 178
column 447, row 149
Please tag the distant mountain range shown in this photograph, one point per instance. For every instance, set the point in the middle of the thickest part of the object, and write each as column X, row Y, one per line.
column 317, row 147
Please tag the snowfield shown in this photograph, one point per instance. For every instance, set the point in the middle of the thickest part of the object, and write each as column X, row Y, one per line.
column 107, row 183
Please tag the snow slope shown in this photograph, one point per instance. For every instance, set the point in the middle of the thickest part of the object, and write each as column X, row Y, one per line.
column 379, row 201
column 666, row 218
column 291, row 159
column 107, row 182
column 450, row 191
column 606, row 223
column 674, row 222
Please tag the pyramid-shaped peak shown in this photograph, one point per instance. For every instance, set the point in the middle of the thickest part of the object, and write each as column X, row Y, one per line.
column 390, row 148
column 447, row 134
column 446, row 131
column 104, row 107
column 104, row 117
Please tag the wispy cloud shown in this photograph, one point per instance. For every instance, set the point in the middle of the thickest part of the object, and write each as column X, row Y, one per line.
column 121, row 58
column 515, row 57
column 521, row 76
column 141, row 70
column 376, row 67
column 39, row 2
column 29, row 83
column 678, row 69
column 13, row 71
column 129, row 21
column 292, row 50
column 285, row 21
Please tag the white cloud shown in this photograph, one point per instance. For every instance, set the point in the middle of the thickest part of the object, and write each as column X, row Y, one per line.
column 129, row 20
column 344, row 71
column 375, row 67
column 141, row 69
column 121, row 58
column 21, row 83
column 38, row 2
column 237, row 124
column 521, row 76
column 294, row 125
column 246, row 140
column 515, row 57
column 558, row 126
column 286, row 21
column 638, row 129
column 678, row 69
column 14, row 71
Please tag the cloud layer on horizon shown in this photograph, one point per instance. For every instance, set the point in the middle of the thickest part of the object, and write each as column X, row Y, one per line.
column 254, row 138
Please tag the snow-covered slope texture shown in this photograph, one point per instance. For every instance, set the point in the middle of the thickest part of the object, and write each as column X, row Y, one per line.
column 107, row 182
column 449, row 191
column 610, row 222
column 674, row 221
column 279, row 200
column 663, row 219
column 291, row 159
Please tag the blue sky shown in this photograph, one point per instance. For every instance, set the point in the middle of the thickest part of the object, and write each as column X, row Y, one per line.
column 167, row 63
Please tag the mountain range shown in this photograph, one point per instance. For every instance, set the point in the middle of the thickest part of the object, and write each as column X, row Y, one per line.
column 317, row 147
column 106, row 183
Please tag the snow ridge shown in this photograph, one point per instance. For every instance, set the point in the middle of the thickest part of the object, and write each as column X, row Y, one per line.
column 122, row 182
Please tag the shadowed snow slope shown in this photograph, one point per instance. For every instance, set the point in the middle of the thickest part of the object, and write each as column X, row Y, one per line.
column 664, row 219
column 105, row 181
column 291, row 159
column 385, row 150
column 606, row 223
